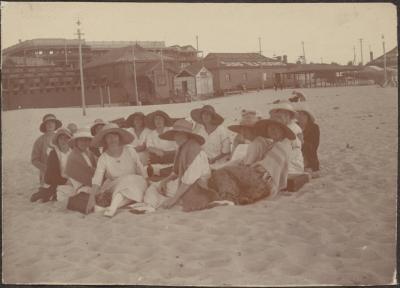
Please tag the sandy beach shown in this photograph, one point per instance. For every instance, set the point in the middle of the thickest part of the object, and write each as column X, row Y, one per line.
column 338, row 229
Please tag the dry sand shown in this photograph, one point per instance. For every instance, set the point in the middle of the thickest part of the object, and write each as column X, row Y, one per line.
column 339, row 229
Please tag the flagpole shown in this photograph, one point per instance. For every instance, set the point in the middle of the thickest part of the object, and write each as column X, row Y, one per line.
column 81, row 69
column 134, row 76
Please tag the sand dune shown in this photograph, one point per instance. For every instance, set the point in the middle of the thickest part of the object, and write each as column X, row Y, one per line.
column 339, row 229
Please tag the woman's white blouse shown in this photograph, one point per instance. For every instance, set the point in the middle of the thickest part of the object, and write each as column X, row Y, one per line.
column 217, row 142
column 153, row 140
column 197, row 169
column 139, row 139
column 127, row 163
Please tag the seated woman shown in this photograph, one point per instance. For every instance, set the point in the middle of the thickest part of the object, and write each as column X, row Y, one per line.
column 41, row 149
column 161, row 152
column 56, row 163
column 285, row 113
column 311, row 139
column 136, row 124
column 80, row 167
column 190, row 171
column 244, row 184
column 94, row 130
column 218, row 143
column 121, row 166
column 245, row 134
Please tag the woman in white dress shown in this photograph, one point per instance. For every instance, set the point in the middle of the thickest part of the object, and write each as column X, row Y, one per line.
column 136, row 124
column 217, row 141
column 161, row 152
column 120, row 165
column 285, row 113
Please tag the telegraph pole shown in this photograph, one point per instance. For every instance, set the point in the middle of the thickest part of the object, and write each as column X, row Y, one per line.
column 384, row 58
column 304, row 53
column 361, row 51
column 354, row 58
column 79, row 33
column 134, row 76
column 259, row 45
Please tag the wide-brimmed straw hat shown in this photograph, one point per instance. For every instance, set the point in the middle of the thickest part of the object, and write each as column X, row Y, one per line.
column 196, row 115
column 149, row 120
column 306, row 110
column 80, row 133
column 262, row 125
column 184, row 126
column 284, row 106
column 61, row 131
column 46, row 118
column 125, row 136
column 248, row 120
column 96, row 123
column 131, row 118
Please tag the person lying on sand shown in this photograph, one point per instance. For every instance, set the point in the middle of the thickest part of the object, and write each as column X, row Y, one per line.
column 190, row 172
column 297, row 97
column 161, row 152
column 122, row 168
column 41, row 149
column 264, row 175
column 311, row 134
column 217, row 141
column 80, row 167
column 285, row 113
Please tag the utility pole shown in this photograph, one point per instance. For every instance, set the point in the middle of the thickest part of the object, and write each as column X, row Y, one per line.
column 134, row 76
column 304, row 53
column 79, row 33
column 259, row 45
column 354, row 57
column 66, row 52
column 361, row 51
column 384, row 59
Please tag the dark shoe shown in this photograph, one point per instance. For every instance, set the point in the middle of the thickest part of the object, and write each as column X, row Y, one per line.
column 36, row 196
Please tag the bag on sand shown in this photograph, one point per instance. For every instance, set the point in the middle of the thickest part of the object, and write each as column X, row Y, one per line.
column 78, row 202
column 296, row 181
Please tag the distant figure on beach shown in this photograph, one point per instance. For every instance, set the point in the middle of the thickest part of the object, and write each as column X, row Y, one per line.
column 285, row 113
column 137, row 126
column 311, row 135
column 94, row 130
column 297, row 97
column 217, row 142
column 188, row 181
column 121, row 168
column 265, row 174
column 42, row 147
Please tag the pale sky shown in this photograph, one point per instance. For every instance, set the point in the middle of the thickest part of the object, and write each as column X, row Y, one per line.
column 329, row 31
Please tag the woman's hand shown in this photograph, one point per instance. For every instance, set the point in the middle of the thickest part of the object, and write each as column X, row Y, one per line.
column 169, row 203
column 91, row 203
column 163, row 187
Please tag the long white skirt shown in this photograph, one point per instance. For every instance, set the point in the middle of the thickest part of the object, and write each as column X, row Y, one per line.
column 154, row 198
column 131, row 186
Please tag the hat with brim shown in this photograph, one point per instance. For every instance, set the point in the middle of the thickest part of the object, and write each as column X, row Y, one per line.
column 248, row 120
column 131, row 118
column 285, row 107
column 46, row 118
column 149, row 120
column 261, row 128
column 80, row 133
column 97, row 123
column 216, row 118
column 182, row 126
column 59, row 132
column 125, row 136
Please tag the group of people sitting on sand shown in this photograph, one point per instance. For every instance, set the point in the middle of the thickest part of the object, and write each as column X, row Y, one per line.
column 156, row 161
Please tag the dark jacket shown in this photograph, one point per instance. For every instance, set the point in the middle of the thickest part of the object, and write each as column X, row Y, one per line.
column 310, row 146
column 53, row 172
column 95, row 151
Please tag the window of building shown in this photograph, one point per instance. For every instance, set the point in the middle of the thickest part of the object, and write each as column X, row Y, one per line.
column 40, row 52
column 228, row 77
column 51, row 52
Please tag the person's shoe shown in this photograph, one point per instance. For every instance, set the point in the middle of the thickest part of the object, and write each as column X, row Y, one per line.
column 38, row 195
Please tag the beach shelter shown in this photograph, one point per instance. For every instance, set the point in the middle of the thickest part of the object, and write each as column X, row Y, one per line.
column 194, row 81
